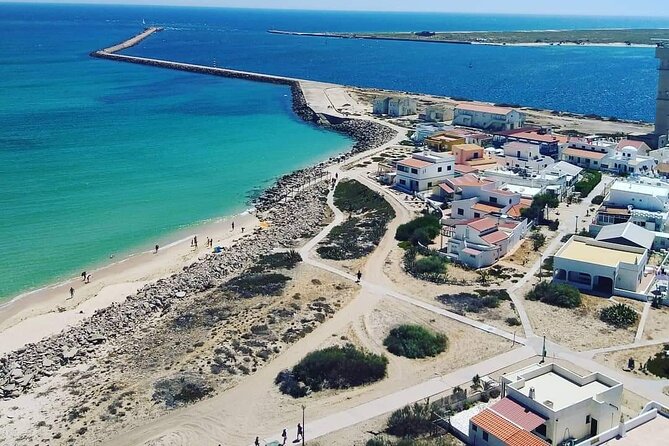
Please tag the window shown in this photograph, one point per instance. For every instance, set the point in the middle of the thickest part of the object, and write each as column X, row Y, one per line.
column 477, row 215
column 493, row 199
column 587, row 419
column 414, row 171
column 461, row 212
column 485, row 436
column 448, row 168
column 438, row 169
column 403, row 182
column 429, row 184
column 474, row 427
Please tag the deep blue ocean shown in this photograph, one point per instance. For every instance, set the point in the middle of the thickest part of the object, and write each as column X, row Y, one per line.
column 99, row 157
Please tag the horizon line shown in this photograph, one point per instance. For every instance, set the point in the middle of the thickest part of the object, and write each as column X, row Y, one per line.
column 103, row 3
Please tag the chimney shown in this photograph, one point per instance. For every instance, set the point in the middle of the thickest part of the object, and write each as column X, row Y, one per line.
column 532, row 393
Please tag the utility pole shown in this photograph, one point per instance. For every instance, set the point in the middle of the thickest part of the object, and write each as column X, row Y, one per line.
column 576, row 227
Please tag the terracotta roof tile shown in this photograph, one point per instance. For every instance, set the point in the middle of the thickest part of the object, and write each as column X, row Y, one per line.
column 520, row 415
column 446, row 188
column 524, row 438
column 462, row 168
column 495, row 237
column 487, row 207
column 482, row 224
column 584, row 153
column 495, row 425
column 484, row 108
column 413, row 162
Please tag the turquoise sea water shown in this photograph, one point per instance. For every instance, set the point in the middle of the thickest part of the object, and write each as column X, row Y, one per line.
column 98, row 157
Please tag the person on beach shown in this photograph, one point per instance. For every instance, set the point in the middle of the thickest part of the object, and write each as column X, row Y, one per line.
column 156, row 251
column 83, row 275
column 242, row 229
column 233, row 225
column 71, row 292
column 257, row 443
column 88, row 278
column 284, row 435
column 299, row 432
column 359, row 275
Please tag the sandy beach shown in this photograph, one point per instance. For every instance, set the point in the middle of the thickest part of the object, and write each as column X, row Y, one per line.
column 46, row 311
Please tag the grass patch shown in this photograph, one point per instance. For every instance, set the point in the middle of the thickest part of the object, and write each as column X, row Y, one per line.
column 557, row 294
column 588, row 182
column 251, row 285
column 332, row 368
column 369, row 215
column 619, row 316
column 415, row 341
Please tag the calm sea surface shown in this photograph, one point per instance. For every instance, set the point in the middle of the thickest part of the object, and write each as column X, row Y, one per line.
column 98, row 157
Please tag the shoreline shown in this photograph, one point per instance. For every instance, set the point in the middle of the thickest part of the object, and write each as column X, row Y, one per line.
column 406, row 37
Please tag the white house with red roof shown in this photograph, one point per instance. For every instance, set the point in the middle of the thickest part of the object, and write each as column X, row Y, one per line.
column 487, row 117
column 424, row 170
column 623, row 157
column 483, row 241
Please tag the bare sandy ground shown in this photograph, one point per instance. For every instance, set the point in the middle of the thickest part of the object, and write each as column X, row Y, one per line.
column 49, row 310
column 579, row 329
column 657, row 324
column 618, row 360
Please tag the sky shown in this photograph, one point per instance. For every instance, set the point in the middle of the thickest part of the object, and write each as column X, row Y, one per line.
column 563, row 7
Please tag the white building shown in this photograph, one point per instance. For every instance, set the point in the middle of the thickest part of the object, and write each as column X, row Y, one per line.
column 608, row 156
column 394, row 106
column 488, row 117
column 594, row 265
column 559, row 405
column 424, row 170
column 522, row 155
column 483, row 241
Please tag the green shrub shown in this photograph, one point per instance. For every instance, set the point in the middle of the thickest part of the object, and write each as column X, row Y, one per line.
column 335, row 368
column 250, row 285
column 513, row 321
column 659, row 364
column 619, row 315
column 557, row 294
column 279, row 260
column 500, row 294
column 379, row 441
column 538, row 240
column 420, row 230
column 598, row 199
column 411, row 421
column 414, row 341
column 353, row 196
column 432, row 264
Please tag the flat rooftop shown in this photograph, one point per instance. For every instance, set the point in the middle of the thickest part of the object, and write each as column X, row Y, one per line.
column 584, row 252
column 644, row 435
column 640, row 188
column 560, row 391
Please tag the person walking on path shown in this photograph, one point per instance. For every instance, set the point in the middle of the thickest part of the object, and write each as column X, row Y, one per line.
column 359, row 276
column 71, row 292
column 299, row 432
column 284, row 435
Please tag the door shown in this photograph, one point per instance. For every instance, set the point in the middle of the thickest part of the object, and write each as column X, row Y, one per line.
column 593, row 427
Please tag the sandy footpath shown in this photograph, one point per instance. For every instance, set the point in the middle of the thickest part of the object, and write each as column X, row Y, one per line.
column 49, row 310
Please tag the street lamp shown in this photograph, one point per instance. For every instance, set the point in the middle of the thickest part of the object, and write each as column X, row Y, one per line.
column 303, row 427
column 576, row 227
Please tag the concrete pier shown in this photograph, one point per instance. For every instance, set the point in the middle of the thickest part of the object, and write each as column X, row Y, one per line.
column 132, row 41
